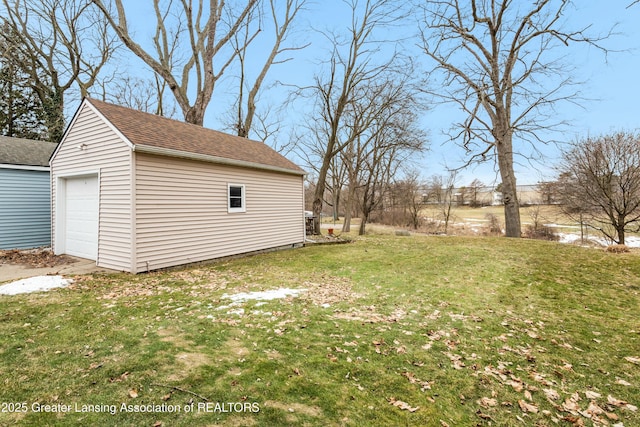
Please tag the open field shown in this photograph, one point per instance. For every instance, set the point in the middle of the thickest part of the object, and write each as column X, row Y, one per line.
column 391, row 331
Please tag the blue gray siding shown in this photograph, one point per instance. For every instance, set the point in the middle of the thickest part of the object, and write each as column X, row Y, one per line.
column 25, row 209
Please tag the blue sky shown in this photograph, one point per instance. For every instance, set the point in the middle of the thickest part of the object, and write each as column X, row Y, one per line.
column 611, row 88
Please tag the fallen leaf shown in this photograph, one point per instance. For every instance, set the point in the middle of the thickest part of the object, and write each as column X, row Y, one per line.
column 594, row 409
column 443, row 424
column 412, row 379
column 631, row 407
column 541, row 379
column 615, row 402
column 592, row 394
column 633, row 359
column 622, row 382
column 166, row 397
column 483, row 416
column 402, row 405
column 527, row 395
column 551, row 394
column 527, row 407
column 133, row 393
column 570, row 405
column 517, row 385
column 533, row 335
column 157, row 424
column 487, row 402
column 611, row 416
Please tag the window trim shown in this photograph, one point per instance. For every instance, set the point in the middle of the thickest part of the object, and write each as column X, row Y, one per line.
column 243, row 208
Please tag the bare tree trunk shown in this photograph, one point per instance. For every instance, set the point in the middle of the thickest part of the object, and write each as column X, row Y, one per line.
column 318, row 195
column 351, row 197
column 509, row 190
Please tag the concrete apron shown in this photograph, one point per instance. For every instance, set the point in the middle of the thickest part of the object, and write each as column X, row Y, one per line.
column 12, row 272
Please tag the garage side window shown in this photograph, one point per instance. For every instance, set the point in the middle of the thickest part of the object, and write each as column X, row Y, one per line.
column 236, row 197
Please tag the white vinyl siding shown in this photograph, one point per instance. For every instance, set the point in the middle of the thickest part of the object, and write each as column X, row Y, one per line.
column 182, row 211
column 107, row 154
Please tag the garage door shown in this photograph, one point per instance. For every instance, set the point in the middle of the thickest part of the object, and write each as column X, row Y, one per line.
column 81, row 222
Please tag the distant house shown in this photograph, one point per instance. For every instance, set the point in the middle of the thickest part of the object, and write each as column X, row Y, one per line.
column 139, row 192
column 25, row 209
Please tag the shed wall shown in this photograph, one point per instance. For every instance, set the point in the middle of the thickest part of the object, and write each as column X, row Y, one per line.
column 106, row 153
column 25, row 215
column 182, row 217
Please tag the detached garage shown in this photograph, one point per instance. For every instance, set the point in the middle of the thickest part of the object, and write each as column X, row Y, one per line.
column 138, row 192
column 25, row 209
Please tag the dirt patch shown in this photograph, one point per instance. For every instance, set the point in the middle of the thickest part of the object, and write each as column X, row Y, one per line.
column 186, row 363
column 35, row 258
column 175, row 337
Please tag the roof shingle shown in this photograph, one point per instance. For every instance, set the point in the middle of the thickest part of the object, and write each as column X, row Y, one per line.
column 144, row 129
column 25, row 152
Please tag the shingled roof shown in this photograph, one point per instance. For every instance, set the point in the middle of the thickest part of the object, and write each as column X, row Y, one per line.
column 25, row 152
column 160, row 135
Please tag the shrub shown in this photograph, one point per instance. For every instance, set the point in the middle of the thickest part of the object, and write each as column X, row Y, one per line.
column 494, row 226
column 540, row 232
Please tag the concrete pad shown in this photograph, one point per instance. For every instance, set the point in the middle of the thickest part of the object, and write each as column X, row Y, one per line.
column 11, row 272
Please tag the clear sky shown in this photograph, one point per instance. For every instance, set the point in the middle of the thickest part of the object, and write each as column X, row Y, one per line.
column 611, row 88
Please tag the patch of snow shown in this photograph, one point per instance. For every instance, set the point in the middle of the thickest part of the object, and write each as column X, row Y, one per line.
column 631, row 241
column 238, row 311
column 264, row 295
column 34, row 284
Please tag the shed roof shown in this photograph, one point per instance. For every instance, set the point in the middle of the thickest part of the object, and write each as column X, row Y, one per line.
column 25, row 152
column 161, row 135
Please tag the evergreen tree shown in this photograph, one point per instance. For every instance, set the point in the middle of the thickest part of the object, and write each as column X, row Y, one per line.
column 21, row 111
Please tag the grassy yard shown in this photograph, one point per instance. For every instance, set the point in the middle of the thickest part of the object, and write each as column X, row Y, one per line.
column 417, row 331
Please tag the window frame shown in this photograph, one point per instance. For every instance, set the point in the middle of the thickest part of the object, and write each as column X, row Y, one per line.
column 243, row 208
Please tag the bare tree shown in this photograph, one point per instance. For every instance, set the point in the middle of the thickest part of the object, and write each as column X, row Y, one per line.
column 383, row 124
column 435, row 193
column 446, row 208
column 140, row 94
column 203, row 41
column 497, row 58
column 281, row 21
column 64, row 45
column 603, row 177
column 354, row 63
column 474, row 189
column 409, row 194
column 201, row 35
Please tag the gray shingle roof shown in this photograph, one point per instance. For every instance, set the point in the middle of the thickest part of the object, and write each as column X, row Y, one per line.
column 25, row 152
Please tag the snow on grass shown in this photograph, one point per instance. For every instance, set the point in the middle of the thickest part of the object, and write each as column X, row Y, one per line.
column 34, row 284
column 238, row 299
column 631, row 241
column 264, row 295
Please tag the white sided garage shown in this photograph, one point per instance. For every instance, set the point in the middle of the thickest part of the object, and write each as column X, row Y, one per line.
column 77, row 221
column 137, row 192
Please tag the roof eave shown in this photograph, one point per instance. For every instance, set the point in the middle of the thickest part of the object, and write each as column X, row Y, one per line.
column 148, row 149
column 24, row 167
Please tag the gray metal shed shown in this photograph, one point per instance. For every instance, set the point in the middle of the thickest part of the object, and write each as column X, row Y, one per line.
column 25, row 196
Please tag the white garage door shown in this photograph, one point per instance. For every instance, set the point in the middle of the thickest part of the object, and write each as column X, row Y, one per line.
column 81, row 222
